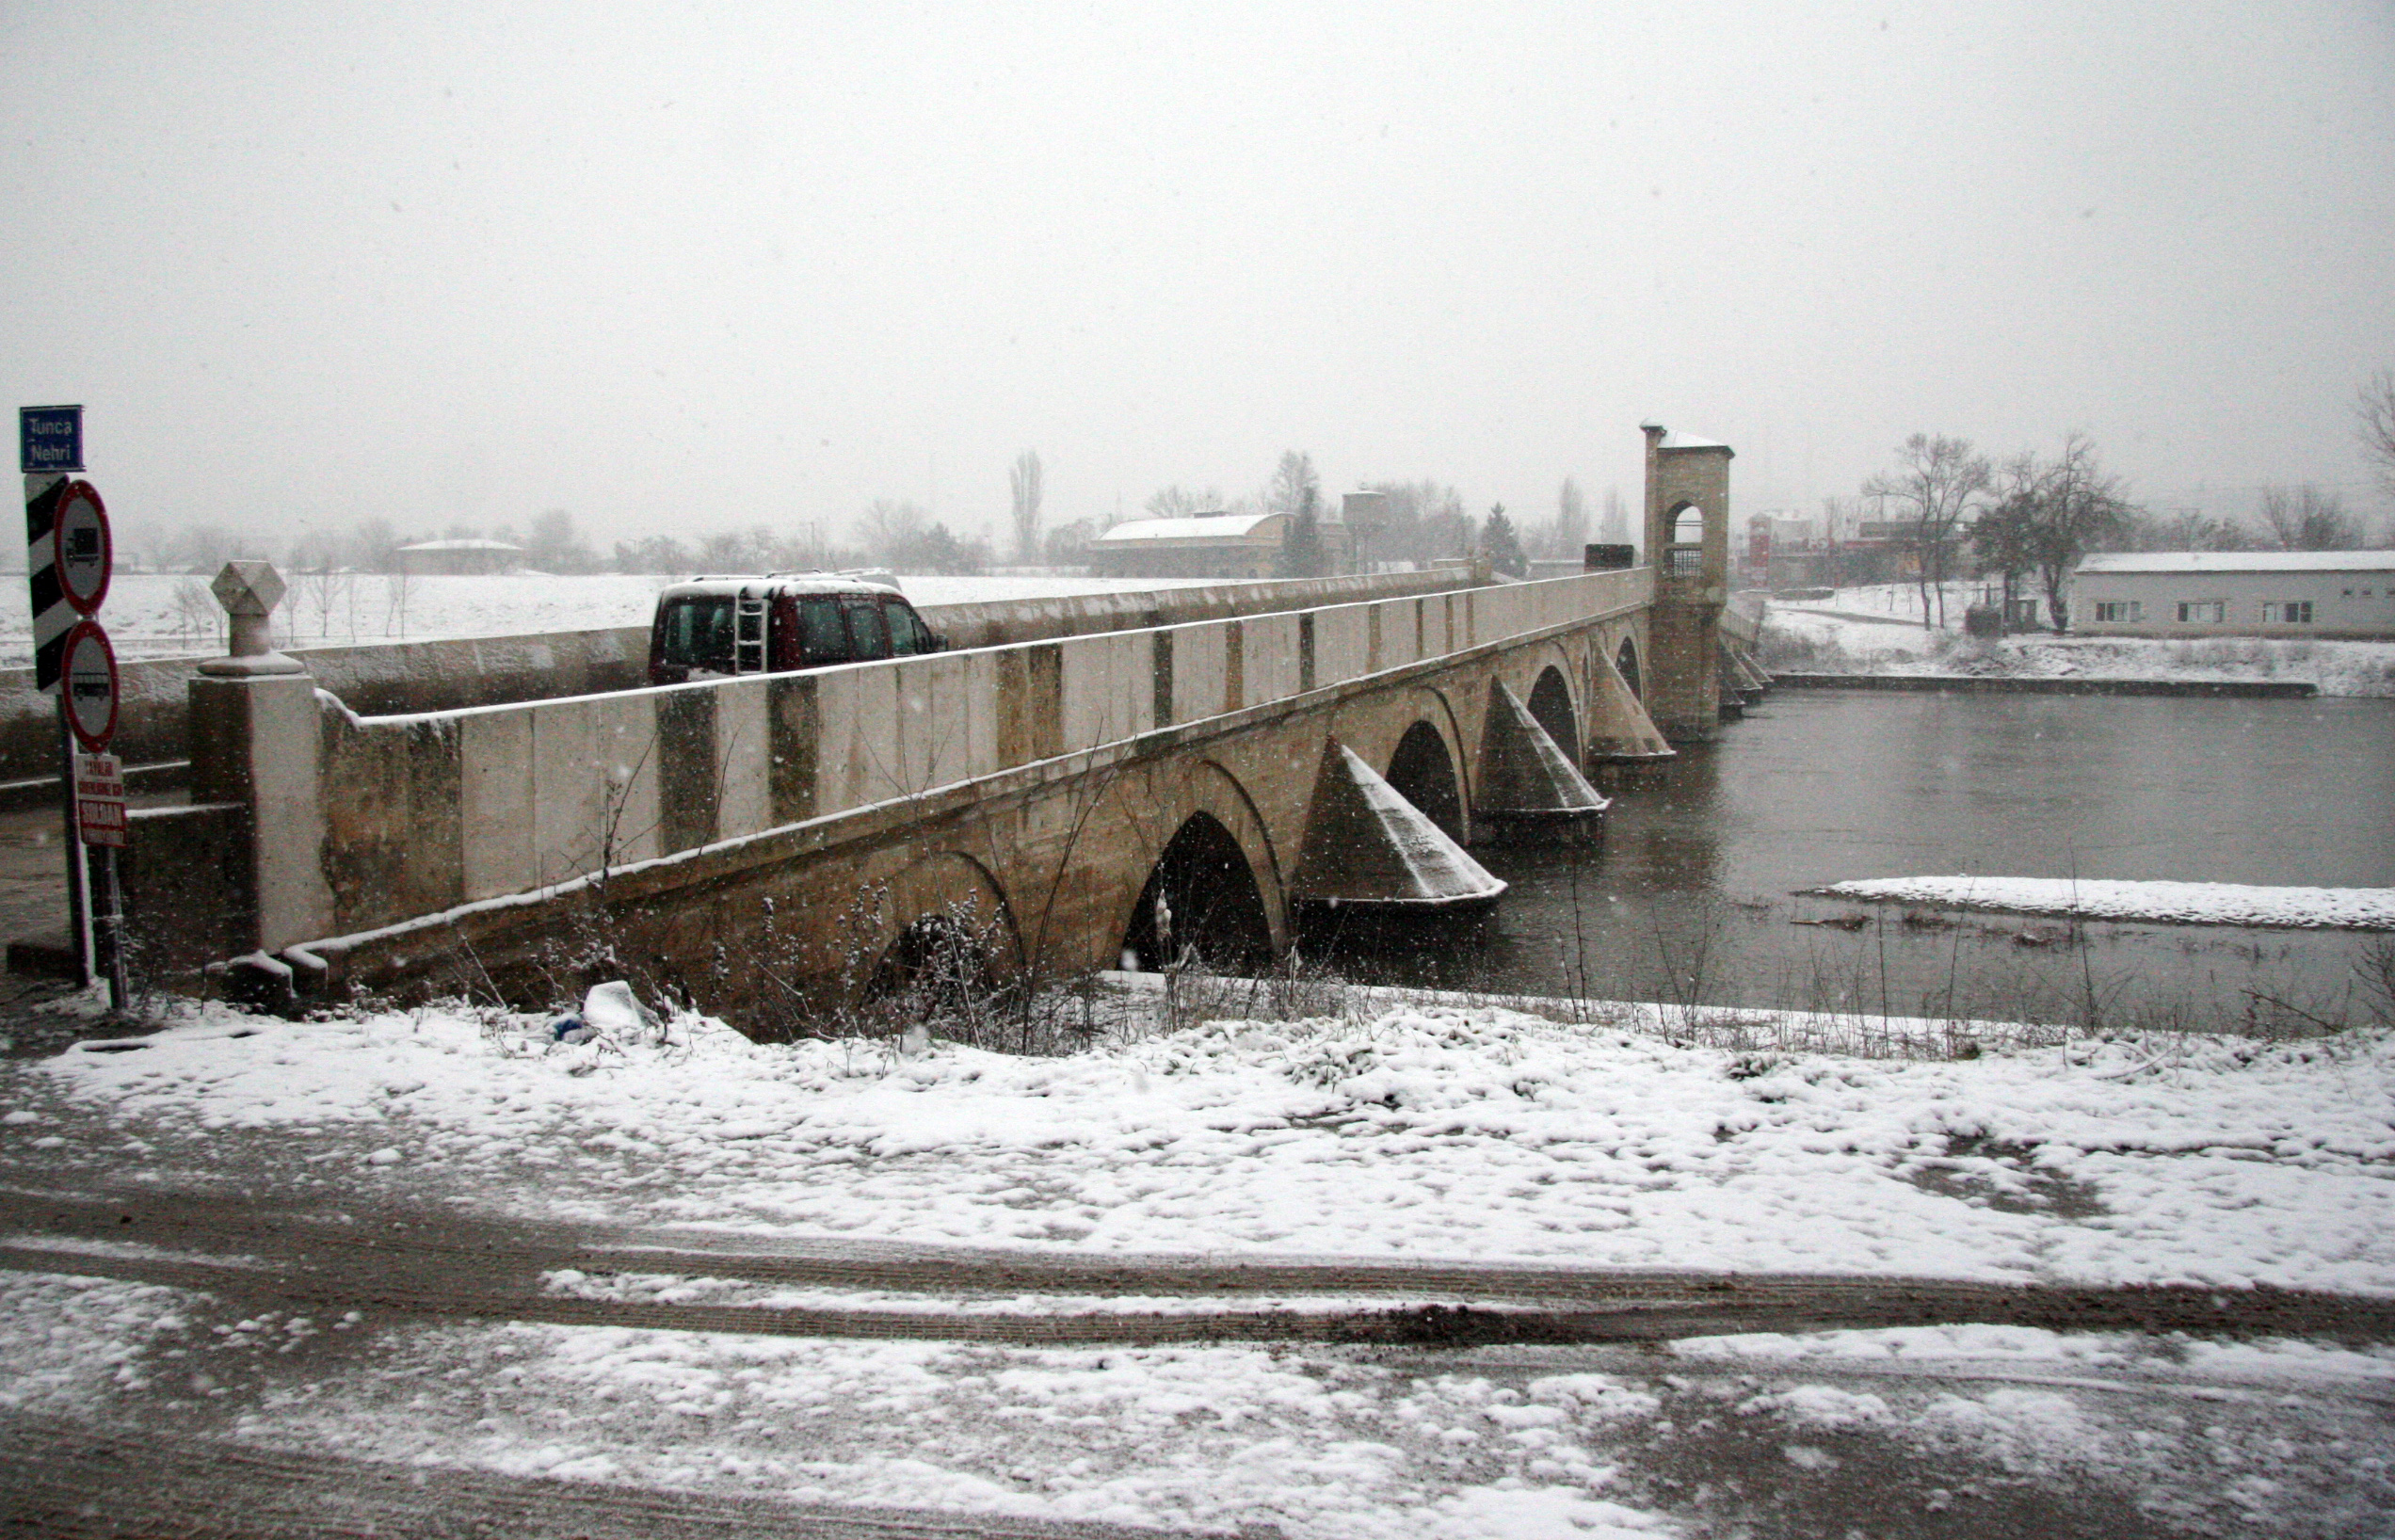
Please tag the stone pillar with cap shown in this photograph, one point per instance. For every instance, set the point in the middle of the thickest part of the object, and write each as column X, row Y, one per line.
column 256, row 741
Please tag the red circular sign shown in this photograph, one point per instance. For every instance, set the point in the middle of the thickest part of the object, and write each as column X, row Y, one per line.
column 82, row 547
column 89, row 677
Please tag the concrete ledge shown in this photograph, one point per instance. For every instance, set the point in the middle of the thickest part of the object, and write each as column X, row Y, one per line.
column 2000, row 684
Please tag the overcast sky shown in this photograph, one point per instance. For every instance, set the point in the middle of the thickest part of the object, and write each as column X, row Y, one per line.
column 682, row 268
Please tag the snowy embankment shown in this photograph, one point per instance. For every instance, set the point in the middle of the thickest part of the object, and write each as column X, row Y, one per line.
column 1870, row 631
column 1427, row 1134
column 2176, row 902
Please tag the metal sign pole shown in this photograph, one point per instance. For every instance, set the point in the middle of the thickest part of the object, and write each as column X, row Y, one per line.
column 62, row 582
column 78, row 873
column 112, row 922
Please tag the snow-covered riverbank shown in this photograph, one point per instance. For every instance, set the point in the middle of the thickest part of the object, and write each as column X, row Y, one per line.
column 1418, row 1132
column 1878, row 630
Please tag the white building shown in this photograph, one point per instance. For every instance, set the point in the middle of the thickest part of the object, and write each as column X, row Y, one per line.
column 2348, row 594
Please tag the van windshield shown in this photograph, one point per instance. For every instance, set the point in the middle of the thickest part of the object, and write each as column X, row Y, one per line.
column 697, row 633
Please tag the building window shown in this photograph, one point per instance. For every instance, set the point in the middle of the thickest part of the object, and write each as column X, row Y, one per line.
column 2120, row 611
column 2291, row 612
column 2202, row 611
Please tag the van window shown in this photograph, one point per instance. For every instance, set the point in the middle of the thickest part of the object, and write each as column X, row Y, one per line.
column 906, row 637
column 866, row 629
column 698, row 633
column 821, row 630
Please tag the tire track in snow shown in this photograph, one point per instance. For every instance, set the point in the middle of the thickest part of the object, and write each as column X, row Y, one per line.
column 436, row 1265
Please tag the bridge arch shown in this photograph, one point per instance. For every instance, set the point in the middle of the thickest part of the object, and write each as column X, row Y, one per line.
column 1424, row 773
column 1626, row 664
column 1206, row 883
column 1551, row 705
column 959, row 887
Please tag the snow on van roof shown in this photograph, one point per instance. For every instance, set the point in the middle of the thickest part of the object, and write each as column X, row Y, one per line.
column 2237, row 561
column 815, row 583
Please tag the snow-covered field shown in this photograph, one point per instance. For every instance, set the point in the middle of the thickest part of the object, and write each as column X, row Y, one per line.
column 2178, row 903
column 1877, row 630
column 1424, row 1132
column 159, row 615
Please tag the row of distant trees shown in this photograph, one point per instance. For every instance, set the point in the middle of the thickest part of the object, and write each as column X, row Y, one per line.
column 1423, row 521
column 889, row 533
column 2033, row 516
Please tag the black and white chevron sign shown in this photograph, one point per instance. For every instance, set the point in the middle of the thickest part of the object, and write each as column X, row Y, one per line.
column 53, row 616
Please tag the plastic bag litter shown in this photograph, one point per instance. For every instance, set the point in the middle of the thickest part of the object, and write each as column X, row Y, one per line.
column 612, row 1010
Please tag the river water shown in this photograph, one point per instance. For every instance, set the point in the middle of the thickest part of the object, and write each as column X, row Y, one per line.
column 1695, row 893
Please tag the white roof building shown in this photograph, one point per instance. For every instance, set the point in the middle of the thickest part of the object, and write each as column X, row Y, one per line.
column 1228, row 545
column 2328, row 594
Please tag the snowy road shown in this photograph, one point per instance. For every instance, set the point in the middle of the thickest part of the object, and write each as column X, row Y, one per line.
column 1447, row 1273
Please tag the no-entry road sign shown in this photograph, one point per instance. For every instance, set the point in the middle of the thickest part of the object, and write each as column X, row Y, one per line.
column 91, row 686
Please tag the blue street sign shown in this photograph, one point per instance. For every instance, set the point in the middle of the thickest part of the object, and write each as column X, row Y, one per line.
column 49, row 439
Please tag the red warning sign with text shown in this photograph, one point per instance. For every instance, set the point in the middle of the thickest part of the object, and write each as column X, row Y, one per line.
column 99, row 799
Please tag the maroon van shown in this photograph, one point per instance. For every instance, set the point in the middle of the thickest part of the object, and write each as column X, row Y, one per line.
column 769, row 625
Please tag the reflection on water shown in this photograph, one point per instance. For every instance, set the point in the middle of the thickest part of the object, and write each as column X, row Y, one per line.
column 1695, row 893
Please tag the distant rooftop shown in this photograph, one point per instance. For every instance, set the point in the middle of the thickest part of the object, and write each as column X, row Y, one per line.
column 1221, row 526
column 2239, row 561
column 461, row 545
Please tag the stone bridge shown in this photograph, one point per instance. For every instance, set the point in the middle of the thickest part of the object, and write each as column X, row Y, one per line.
column 769, row 844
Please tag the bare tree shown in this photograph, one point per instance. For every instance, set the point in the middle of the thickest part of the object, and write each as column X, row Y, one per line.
column 2005, row 538
column 1571, row 518
column 1939, row 483
column 1295, row 485
column 2077, row 507
column 1614, row 528
column 2376, row 408
column 1179, row 502
column 1024, row 480
column 555, row 546
column 2307, row 519
column 887, row 527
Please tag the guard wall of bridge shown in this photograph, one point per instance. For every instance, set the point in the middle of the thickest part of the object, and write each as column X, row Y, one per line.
column 449, row 673
column 751, row 836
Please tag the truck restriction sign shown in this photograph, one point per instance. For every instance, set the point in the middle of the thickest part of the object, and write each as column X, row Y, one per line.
column 91, row 686
column 83, row 551
column 99, row 799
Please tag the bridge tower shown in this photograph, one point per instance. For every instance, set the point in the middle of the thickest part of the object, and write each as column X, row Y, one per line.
column 1687, row 542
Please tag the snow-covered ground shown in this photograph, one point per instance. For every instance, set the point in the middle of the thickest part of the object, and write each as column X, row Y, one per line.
column 159, row 615
column 1424, row 1132
column 1877, row 630
column 1526, row 1444
column 2180, row 902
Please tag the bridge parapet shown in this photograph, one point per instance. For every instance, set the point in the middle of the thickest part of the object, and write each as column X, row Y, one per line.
column 426, row 813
